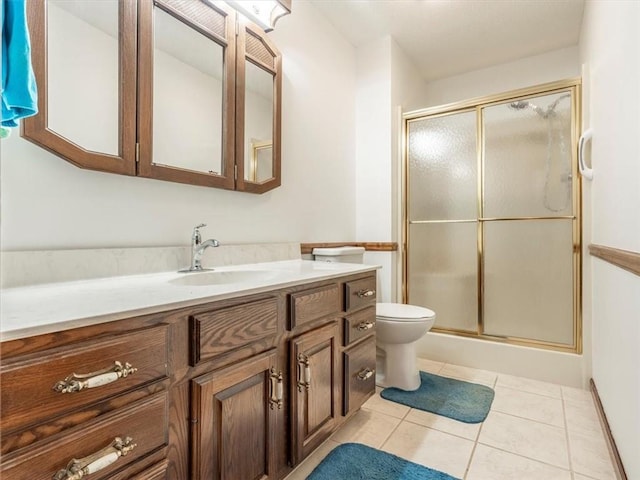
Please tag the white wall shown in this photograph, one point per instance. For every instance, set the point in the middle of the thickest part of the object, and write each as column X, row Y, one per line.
column 526, row 72
column 387, row 81
column 48, row 203
column 610, row 49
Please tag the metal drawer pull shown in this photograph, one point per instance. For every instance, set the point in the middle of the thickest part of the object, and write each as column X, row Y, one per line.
column 304, row 372
column 365, row 374
column 76, row 382
column 80, row 468
column 366, row 325
column 365, row 293
column 275, row 399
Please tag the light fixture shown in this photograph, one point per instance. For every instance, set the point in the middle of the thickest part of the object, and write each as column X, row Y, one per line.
column 263, row 12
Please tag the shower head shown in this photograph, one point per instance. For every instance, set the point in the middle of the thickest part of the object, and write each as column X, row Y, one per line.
column 519, row 105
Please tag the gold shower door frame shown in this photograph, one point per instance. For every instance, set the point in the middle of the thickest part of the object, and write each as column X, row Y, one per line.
column 572, row 86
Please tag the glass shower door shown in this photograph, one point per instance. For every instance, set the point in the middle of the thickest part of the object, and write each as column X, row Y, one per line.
column 492, row 217
column 442, row 213
column 528, row 219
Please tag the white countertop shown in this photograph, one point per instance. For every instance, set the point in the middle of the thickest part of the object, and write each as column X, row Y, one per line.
column 39, row 309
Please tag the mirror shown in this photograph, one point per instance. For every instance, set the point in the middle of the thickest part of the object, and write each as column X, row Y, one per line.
column 261, row 167
column 83, row 73
column 188, row 92
column 258, row 124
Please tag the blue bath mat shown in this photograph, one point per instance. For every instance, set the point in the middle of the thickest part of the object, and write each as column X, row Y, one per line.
column 353, row 461
column 462, row 401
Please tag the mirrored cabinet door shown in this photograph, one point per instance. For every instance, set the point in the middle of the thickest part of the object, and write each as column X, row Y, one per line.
column 84, row 60
column 186, row 88
column 258, row 98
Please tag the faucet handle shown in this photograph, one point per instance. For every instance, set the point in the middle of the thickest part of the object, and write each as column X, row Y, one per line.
column 200, row 226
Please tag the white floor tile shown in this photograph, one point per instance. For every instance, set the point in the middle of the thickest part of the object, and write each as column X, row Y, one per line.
column 430, row 366
column 312, row 461
column 432, row 448
column 577, row 395
column 444, row 424
column 529, row 385
column 492, row 464
column 590, row 456
column 523, row 438
column 368, row 427
column 534, row 440
column 582, row 418
column 387, row 407
column 529, row 405
column 469, row 374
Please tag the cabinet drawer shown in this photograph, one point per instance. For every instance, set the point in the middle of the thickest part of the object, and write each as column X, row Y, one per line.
column 221, row 331
column 32, row 388
column 144, row 422
column 359, row 325
column 359, row 374
column 313, row 304
column 360, row 293
column 157, row 472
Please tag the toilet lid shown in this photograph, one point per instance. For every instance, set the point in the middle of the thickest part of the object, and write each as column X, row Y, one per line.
column 403, row 313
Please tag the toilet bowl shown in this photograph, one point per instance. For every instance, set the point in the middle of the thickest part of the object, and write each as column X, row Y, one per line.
column 398, row 328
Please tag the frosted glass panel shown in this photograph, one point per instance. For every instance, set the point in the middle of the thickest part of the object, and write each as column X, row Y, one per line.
column 442, row 168
column 83, row 73
column 528, row 279
column 528, row 157
column 442, row 272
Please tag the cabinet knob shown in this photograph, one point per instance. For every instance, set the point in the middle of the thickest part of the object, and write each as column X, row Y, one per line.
column 365, row 374
column 365, row 293
column 80, row 468
column 76, row 382
column 365, row 325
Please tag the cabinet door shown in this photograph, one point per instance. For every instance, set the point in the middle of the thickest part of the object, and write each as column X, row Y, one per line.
column 84, row 61
column 258, row 117
column 186, row 88
column 314, row 389
column 233, row 421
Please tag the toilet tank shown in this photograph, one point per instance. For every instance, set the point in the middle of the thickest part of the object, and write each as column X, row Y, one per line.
column 339, row 254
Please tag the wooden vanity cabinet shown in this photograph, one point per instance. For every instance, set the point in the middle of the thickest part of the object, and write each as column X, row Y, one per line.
column 242, row 388
column 314, row 389
column 233, row 420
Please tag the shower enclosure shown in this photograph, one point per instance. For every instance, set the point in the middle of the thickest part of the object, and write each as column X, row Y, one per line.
column 492, row 216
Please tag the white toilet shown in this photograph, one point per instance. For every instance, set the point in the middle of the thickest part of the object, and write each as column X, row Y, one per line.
column 398, row 328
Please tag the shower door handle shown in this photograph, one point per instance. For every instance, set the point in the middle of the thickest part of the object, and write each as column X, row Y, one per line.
column 585, row 171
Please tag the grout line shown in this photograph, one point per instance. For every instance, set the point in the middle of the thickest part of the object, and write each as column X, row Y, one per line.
column 566, row 434
column 473, row 451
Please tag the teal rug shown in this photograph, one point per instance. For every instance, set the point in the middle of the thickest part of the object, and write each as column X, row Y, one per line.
column 462, row 401
column 353, row 461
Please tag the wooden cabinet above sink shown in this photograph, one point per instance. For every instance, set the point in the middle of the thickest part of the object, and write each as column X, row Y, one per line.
column 187, row 92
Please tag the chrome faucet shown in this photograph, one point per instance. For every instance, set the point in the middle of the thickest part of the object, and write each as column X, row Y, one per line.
column 197, row 249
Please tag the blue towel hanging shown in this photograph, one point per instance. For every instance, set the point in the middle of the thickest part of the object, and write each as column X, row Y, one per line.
column 19, row 91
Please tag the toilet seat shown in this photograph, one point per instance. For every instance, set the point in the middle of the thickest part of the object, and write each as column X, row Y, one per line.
column 401, row 312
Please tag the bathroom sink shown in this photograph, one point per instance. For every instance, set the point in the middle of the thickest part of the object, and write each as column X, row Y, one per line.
column 222, row 277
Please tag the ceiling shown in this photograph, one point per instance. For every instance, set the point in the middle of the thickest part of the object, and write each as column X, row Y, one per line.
column 449, row 37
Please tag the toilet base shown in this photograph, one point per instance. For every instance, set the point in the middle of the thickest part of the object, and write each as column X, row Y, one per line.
column 396, row 367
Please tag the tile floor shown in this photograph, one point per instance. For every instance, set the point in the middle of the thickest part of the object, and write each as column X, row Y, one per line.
column 534, row 431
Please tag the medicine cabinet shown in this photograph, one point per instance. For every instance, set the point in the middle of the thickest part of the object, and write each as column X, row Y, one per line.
column 182, row 91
